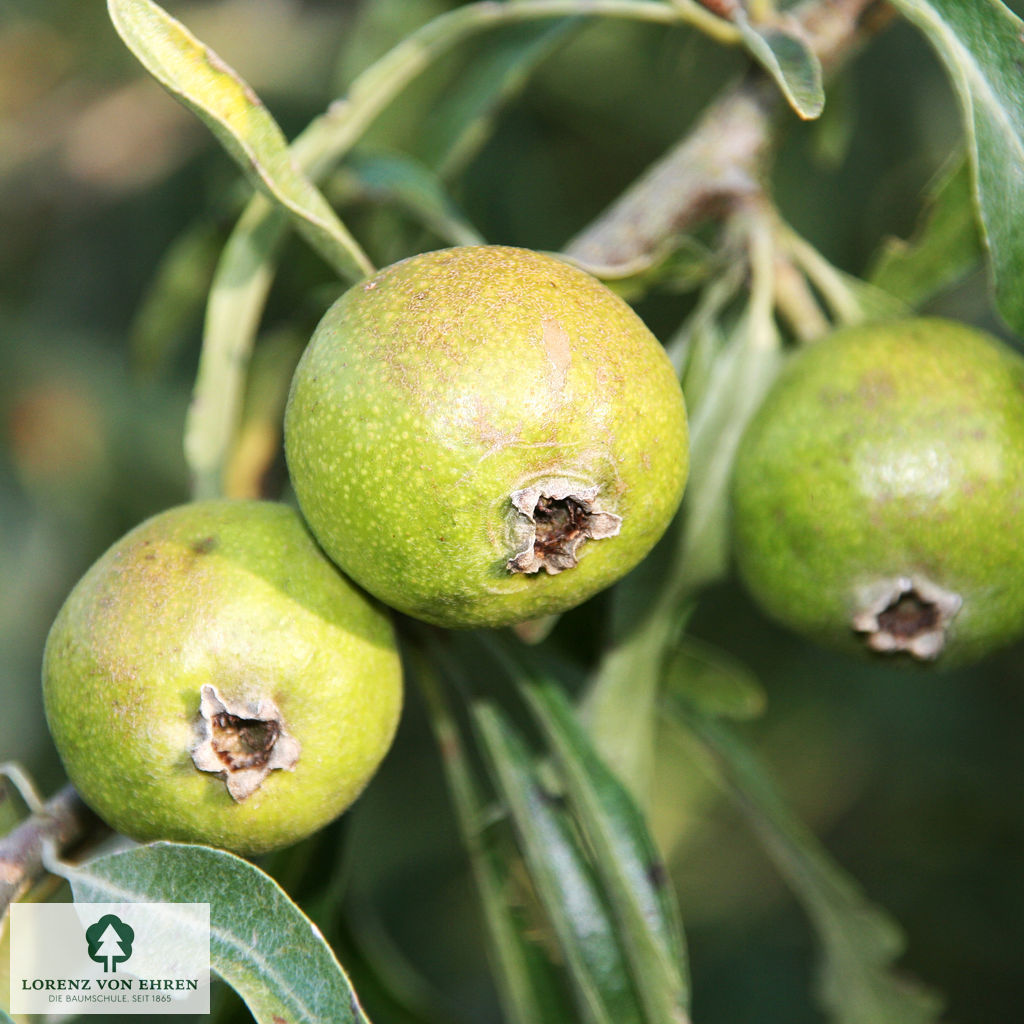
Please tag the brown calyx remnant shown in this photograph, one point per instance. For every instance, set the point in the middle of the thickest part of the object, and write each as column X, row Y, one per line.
column 241, row 741
column 555, row 517
column 908, row 614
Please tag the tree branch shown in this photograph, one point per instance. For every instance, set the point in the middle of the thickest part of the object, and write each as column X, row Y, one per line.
column 63, row 820
column 719, row 162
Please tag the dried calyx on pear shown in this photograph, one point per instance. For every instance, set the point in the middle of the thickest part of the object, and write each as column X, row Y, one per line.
column 553, row 520
column 909, row 614
column 241, row 741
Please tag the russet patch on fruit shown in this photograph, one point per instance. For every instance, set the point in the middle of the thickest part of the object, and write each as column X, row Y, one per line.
column 878, row 494
column 485, row 435
column 214, row 678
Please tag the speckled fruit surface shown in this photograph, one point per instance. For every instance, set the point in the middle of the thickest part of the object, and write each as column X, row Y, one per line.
column 217, row 633
column 879, row 492
column 460, row 409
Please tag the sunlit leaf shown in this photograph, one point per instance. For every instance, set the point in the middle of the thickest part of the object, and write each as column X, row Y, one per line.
column 627, row 861
column 743, row 371
column 197, row 77
column 261, row 943
column 981, row 43
column 859, row 941
column 562, row 877
column 258, row 442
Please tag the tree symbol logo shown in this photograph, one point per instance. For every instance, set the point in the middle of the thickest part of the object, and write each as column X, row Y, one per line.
column 110, row 941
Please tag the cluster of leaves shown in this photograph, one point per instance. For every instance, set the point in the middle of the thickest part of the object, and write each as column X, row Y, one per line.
column 581, row 920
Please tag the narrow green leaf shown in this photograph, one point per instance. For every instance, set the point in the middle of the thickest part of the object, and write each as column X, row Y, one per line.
column 241, row 283
column 743, row 372
column 529, row 991
column 5, row 1018
column 173, row 303
column 462, row 117
column 620, row 708
column 397, row 178
column 788, row 59
column 946, row 245
column 857, row 983
column 562, row 877
column 261, row 943
column 714, row 681
column 198, row 78
column 981, row 43
column 628, row 863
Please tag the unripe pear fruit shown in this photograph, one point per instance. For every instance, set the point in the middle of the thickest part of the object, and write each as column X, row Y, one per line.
column 485, row 435
column 214, row 679
column 878, row 493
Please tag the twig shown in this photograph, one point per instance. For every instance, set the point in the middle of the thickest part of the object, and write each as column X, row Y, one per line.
column 719, row 161
column 63, row 820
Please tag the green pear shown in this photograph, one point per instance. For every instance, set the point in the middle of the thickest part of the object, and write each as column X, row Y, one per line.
column 214, row 679
column 878, row 494
column 485, row 435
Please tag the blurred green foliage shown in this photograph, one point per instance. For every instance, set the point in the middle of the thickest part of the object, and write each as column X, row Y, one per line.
column 913, row 781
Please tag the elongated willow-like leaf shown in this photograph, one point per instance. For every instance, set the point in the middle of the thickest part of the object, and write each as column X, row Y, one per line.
column 859, row 940
column 621, row 704
column 981, row 43
column 241, row 283
column 627, row 862
column 562, row 877
column 413, row 186
column 526, row 981
column 197, row 77
column 788, row 59
column 946, row 245
column 174, row 301
column 716, row 682
column 261, row 943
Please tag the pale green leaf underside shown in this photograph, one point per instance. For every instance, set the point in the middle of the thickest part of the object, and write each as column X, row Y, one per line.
column 789, row 60
column 261, row 944
column 946, row 245
column 714, row 681
column 197, row 77
column 981, row 43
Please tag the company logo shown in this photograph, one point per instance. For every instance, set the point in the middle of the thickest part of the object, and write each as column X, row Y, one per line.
column 110, row 941
column 110, row 958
